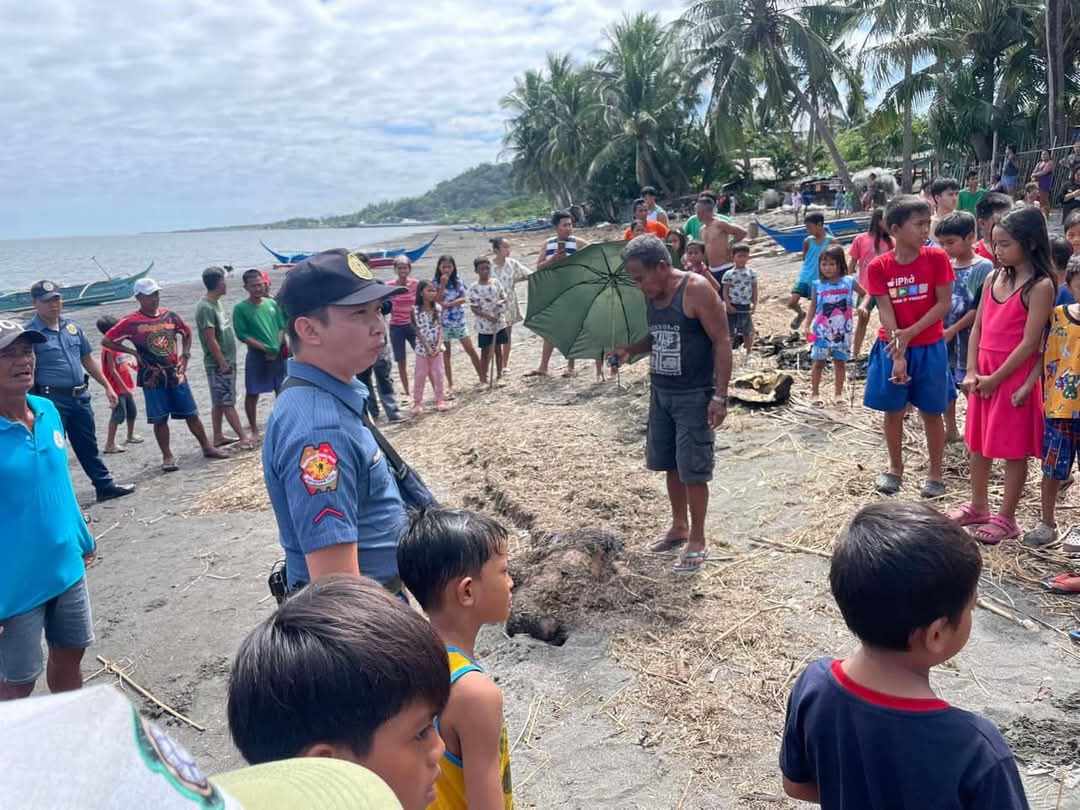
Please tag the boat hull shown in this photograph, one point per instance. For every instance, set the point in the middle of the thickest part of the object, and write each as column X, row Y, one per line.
column 376, row 258
column 792, row 239
column 79, row 295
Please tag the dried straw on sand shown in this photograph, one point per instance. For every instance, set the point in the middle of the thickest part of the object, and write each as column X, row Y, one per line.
column 715, row 655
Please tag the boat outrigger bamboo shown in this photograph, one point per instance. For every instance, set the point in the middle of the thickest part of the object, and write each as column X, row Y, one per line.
column 79, row 295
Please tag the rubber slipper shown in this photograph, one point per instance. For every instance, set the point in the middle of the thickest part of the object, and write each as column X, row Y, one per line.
column 114, row 451
column 226, row 441
column 1075, row 635
column 1041, row 536
column 965, row 515
column 666, row 545
column 1070, row 543
column 134, row 440
column 1056, row 584
column 888, row 483
column 172, row 466
column 932, row 489
column 690, row 563
column 996, row 529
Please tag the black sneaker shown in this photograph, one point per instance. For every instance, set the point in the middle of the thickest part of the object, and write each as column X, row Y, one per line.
column 393, row 417
column 114, row 491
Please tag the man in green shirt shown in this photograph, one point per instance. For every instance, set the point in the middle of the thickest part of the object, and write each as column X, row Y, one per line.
column 219, row 357
column 259, row 323
column 972, row 195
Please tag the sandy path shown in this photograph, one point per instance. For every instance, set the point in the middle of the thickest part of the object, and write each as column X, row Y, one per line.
column 174, row 592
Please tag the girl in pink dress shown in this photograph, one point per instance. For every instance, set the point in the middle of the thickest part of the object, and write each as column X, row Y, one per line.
column 1004, row 387
column 867, row 247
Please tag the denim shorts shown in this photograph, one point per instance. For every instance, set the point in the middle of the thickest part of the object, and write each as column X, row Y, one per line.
column 222, row 387
column 679, row 436
column 165, row 401
column 125, row 408
column 826, row 352
column 928, row 390
column 67, row 623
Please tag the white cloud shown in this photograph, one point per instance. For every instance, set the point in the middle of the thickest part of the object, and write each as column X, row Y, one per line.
column 123, row 115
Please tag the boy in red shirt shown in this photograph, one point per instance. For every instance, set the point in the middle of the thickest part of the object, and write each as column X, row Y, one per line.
column 119, row 371
column 155, row 335
column 909, row 363
column 988, row 211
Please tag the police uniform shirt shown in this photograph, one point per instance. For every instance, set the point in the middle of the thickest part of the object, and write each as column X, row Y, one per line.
column 59, row 358
column 328, row 481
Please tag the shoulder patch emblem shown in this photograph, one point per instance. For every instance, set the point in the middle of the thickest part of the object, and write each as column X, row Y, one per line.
column 318, row 468
column 58, row 439
column 360, row 270
column 72, row 329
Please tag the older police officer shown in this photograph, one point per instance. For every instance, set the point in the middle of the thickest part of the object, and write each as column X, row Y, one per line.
column 65, row 361
column 335, row 499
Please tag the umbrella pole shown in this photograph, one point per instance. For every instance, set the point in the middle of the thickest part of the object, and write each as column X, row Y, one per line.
column 491, row 365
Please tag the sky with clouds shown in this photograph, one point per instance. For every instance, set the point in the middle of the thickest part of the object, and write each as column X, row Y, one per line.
column 128, row 115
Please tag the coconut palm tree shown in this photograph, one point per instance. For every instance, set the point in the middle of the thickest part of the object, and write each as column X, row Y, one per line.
column 752, row 48
column 640, row 90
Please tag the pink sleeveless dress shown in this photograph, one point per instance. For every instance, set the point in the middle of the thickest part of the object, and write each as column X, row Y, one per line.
column 994, row 427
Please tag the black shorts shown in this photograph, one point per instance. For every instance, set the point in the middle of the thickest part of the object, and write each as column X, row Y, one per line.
column 679, row 436
column 500, row 338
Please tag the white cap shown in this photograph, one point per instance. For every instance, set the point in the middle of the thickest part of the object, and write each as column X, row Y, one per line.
column 146, row 286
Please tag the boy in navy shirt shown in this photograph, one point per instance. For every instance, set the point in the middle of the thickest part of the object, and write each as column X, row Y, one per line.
column 868, row 732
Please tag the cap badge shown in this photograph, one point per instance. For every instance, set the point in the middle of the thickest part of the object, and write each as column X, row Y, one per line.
column 48, row 286
column 72, row 329
column 359, row 269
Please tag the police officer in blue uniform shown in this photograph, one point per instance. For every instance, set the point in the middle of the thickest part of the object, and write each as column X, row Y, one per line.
column 65, row 362
column 335, row 498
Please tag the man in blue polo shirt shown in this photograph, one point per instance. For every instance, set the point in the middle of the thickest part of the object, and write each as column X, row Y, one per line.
column 45, row 543
column 335, row 498
column 65, row 361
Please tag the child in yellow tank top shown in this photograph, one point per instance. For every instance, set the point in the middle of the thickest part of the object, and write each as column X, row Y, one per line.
column 450, row 786
column 455, row 563
column 1061, row 417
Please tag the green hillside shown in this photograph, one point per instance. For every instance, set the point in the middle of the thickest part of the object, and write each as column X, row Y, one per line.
column 483, row 194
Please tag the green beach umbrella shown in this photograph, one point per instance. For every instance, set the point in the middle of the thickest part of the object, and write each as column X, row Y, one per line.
column 586, row 303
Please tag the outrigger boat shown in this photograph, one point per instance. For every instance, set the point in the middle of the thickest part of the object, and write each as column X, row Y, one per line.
column 79, row 295
column 378, row 258
column 792, row 239
column 524, row 226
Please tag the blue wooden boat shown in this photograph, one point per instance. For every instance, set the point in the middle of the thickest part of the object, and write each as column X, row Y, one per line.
column 792, row 239
column 79, row 295
column 379, row 258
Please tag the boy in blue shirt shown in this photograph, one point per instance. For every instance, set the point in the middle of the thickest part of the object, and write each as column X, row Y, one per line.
column 868, row 732
column 818, row 238
column 956, row 234
column 1061, row 253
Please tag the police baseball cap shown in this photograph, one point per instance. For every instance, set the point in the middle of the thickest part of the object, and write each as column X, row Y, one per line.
column 10, row 331
column 44, row 291
column 331, row 278
column 707, row 197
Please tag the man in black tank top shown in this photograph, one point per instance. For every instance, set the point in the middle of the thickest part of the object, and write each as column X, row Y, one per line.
column 691, row 366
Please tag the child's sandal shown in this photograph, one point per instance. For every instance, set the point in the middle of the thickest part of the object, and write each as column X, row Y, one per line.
column 996, row 529
column 965, row 515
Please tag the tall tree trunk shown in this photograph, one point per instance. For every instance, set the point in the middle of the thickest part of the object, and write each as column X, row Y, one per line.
column 810, row 134
column 909, row 134
column 1055, row 73
column 826, row 134
column 646, row 166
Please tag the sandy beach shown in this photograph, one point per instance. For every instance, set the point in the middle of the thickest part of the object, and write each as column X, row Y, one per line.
column 666, row 693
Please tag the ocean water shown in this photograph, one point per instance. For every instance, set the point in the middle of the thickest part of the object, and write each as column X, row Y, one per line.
column 177, row 256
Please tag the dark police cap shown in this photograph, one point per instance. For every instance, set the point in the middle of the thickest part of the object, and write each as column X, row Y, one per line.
column 331, row 278
column 44, row 291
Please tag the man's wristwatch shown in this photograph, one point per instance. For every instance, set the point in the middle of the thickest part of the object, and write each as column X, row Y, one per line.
column 721, row 398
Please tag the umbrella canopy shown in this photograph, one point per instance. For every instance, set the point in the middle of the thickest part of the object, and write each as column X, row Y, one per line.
column 586, row 304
